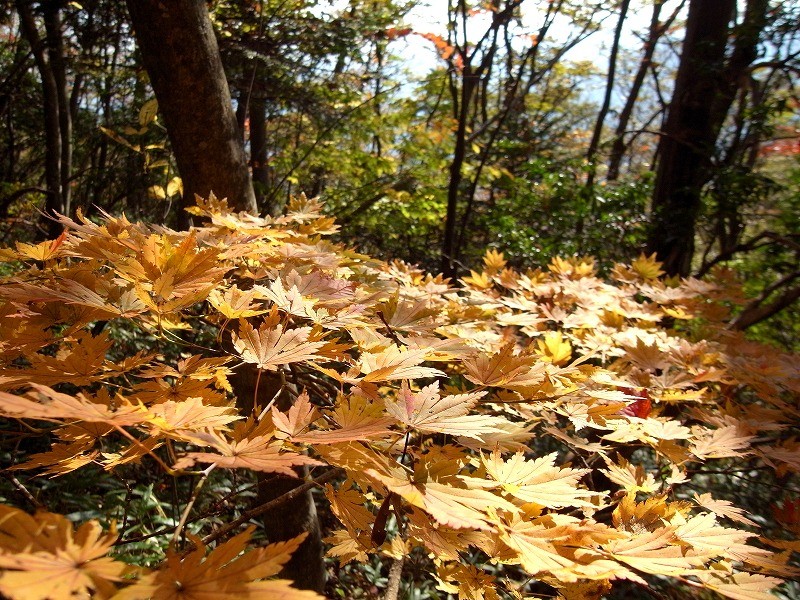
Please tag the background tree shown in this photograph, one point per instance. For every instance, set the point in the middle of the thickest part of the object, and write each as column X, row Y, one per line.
column 705, row 88
column 179, row 51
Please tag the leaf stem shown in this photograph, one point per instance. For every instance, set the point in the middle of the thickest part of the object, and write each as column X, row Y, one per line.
column 190, row 504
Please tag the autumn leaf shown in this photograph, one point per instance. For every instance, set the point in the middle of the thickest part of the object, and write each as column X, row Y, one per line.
column 466, row 581
column 740, row 586
column 299, row 416
column 706, row 537
column 427, row 411
column 224, row 574
column 538, row 481
column 533, row 541
column 260, row 453
column 395, row 362
column 553, row 348
column 723, row 508
column 448, row 502
column 234, row 303
column 188, row 416
column 43, row 557
column 269, row 347
column 633, row 478
column 42, row 251
column 47, row 404
column 354, row 418
column 505, row 369
column 657, row 552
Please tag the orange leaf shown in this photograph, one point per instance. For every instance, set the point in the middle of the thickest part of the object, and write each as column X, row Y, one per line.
column 42, row 557
column 222, row 575
column 268, row 347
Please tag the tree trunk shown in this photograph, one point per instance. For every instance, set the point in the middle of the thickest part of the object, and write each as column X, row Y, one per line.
column 181, row 56
column 687, row 142
column 289, row 520
column 656, row 30
column 705, row 88
column 55, row 46
column 258, row 151
column 42, row 53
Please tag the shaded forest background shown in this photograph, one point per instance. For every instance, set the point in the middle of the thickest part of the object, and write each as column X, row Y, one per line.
column 679, row 139
column 506, row 143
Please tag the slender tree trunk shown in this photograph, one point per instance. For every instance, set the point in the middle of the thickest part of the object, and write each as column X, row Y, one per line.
column 306, row 568
column 54, row 203
column 456, row 175
column 687, row 143
column 597, row 133
column 618, row 146
column 258, row 151
column 180, row 52
column 55, row 45
column 181, row 56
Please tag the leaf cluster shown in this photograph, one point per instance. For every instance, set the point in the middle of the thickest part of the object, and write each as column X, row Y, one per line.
column 545, row 429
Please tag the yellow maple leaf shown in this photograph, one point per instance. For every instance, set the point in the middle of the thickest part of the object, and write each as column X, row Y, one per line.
column 61, row 458
column 658, row 552
column 469, row 582
column 271, row 346
column 446, row 500
column 740, row 586
column 537, row 481
column 47, row 404
column 299, row 416
column 481, row 281
column 554, row 348
column 396, row 362
column 348, row 504
column 235, row 303
column 42, row 557
column 42, row 251
column 633, row 478
column 494, row 261
column 347, row 545
column 428, row 411
column 258, row 453
column 181, row 419
column 223, row 574
column 732, row 440
column 647, row 267
column 354, row 418
column 538, row 544
column 705, row 537
column 505, row 369
column 723, row 508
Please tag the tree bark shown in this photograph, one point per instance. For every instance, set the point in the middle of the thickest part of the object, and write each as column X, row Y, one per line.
column 54, row 140
column 305, row 568
column 705, row 88
column 181, row 56
column 687, row 143
column 258, row 151
column 180, row 52
column 656, row 30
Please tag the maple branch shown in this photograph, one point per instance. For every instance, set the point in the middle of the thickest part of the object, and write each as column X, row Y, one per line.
column 190, row 504
column 274, row 399
column 389, row 329
column 268, row 506
column 22, row 490
column 395, row 579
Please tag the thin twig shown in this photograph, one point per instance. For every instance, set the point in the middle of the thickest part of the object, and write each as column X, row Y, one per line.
column 190, row 504
column 23, row 490
column 395, row 578
column 268, row 506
